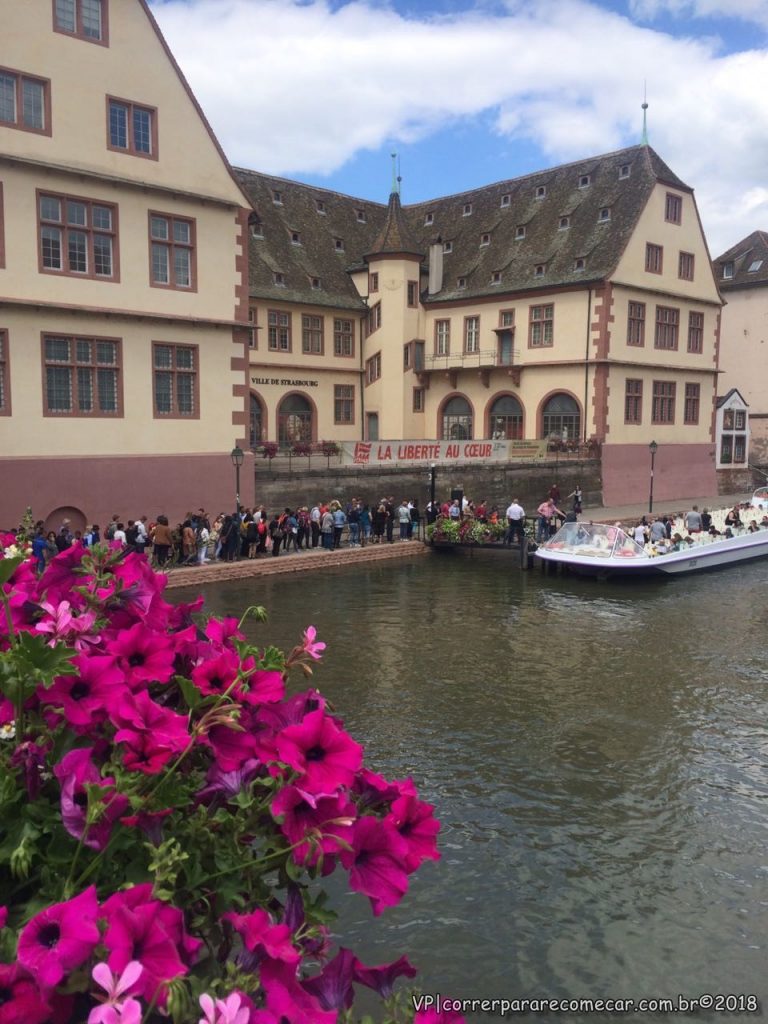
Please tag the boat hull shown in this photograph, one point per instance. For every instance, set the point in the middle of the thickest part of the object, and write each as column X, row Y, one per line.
column 720, row 554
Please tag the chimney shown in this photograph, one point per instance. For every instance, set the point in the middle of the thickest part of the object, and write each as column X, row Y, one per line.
column 435, row 268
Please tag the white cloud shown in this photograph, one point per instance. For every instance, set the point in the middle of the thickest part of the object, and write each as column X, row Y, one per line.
column 755, row 11
column 300, row 88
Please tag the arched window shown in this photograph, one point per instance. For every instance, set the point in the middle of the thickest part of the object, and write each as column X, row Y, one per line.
column 256, row 422
column 506, row 419
column 562, row 419
column 294, row 420
column 457, row 420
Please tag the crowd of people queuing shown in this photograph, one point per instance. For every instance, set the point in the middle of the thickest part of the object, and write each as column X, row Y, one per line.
column 247, row 534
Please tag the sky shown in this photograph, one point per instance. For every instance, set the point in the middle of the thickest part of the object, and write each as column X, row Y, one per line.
column 324, row 91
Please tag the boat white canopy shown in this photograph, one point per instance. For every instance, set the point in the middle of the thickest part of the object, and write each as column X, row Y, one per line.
column 594, row 540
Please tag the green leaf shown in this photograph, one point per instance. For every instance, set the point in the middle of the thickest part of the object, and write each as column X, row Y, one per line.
column 35, row 659
column 189, row 691
column 8, row 567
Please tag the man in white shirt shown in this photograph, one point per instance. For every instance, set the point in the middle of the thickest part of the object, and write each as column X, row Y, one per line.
column 516, row 521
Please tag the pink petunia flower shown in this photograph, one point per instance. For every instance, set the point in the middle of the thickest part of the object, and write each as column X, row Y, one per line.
column 59, row 938
column 382, row 978
column 325, row 756
column 21, row 1001
column 319, row 826
column 375, row 863
column 73, row 772
column 260, row 935
column 313, row 648
column 138, row 934
column 144, row 655
column 415, row 821
column 84, row 698
column 332, row 987
column 288, row 999
column 152, row 734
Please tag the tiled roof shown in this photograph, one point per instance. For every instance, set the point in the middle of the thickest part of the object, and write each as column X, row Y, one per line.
column 748, row 262
column 575, row 219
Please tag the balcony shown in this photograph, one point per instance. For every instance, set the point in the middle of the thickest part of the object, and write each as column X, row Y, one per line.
column 484, row 360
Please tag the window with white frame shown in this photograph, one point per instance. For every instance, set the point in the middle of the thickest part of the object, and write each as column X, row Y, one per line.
column 471, row 334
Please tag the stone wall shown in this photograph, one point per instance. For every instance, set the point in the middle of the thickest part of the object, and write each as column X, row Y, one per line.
column 281, row 485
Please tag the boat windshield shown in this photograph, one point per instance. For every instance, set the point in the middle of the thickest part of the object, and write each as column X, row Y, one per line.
column 760, row 498
column 594, row 540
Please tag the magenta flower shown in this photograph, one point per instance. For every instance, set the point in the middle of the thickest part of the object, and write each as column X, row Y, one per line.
column 21, row 1001
column 84, row 698
column 325, row 756
column 221, row 785
column 73, row 771
column 59, row 939
column 332, row 987
column 138, row 934
column 319, row 826
column 375, row 863
column 222, row 631
column 217, row 673
column 287, row 999
column 413, row 819
column 144, row 656
column 260, row 935
column 264, row 687
column 382, row 979
column 152, row 734
column 313, row 648
column 116, row 1009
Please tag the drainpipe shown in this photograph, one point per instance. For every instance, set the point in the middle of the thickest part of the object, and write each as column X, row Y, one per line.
column 586, row 361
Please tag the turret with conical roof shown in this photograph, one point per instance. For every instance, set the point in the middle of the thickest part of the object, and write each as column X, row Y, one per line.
column 394, row 238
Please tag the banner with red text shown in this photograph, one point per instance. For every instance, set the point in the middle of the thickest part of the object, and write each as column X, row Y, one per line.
column 382, row 453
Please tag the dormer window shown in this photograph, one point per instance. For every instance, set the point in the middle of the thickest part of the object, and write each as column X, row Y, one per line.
column 257, row 231
column 320, row 206
column 539, row 270
column 277, row 197
column 279, row 280
column 727, row 271
column 295, row 238
column 585, row 181
column 520, row 232
column 429, row 219
column 564, row 223
column 360, row 216
column 461, row 282
column 541, row 191
column 604, row 215
column 338, row 244
column 624, row 171
column 496, row 277
column 506, row 200
column 447, row 247
column 316, row 283
column 467, row 211
column 580, row 263
column 485, row 239
column 754, row 266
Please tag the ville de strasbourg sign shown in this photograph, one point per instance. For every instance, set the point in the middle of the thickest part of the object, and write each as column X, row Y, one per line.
column 378, row 453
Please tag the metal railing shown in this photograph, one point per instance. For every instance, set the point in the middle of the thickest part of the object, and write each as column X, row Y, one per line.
column 472, row 360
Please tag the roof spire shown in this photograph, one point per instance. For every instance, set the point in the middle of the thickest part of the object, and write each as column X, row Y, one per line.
column 395, row 175
column 644, row 139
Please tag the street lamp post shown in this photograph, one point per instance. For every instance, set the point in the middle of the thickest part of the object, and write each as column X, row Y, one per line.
column 432, row 478
column 652, row 448
column 237, row 455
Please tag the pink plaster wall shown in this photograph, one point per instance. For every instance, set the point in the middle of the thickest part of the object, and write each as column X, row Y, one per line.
column 132, row 486
column 680, row 471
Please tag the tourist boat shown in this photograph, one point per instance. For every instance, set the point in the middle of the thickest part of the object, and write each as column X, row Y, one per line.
column 760, row 499
column 595, row 549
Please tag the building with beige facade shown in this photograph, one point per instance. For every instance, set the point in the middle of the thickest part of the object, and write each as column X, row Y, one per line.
column 123, row 263
column 576, row 303
column 742, row 273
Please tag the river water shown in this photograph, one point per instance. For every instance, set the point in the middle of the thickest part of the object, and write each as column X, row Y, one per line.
column 597, row 754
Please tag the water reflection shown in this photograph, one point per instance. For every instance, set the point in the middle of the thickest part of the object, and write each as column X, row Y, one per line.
column 597, row 754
